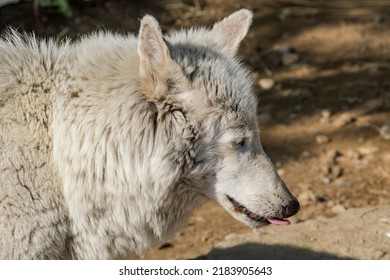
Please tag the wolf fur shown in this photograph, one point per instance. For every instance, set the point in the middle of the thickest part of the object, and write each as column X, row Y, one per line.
column 109, row 143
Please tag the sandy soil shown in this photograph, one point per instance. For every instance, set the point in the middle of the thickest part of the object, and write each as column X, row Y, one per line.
column 360, row 233
column 320, row 71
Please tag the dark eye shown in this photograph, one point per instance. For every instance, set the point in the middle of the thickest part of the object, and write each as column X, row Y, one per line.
column 241, row 143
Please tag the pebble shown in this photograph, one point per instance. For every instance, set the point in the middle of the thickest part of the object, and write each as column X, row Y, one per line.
column 384, row 131
column 266, row 83
column 388, row 234
column 281, row 171
column 325, row 116
column 326, row 180
column 306, row 197
column 285, row 14
column 330, row 203
column 369, row 150
column 288, row 93
column 343, row 119
column 341, row 182
column 336, row 171
column 354, row 155
column 305, row 154
column 289, row 58
column 199, row 219
column 298, row 107
column 292, row 116
column 338, row 209
column 332, row 155
column 326, row 169
column 372, row 105
column 322, row 139
column 330, row 171
column 205, row 237
column 362, row 121
column 282, row 48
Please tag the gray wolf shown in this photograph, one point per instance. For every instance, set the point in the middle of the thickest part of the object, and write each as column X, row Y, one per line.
column 107, row 144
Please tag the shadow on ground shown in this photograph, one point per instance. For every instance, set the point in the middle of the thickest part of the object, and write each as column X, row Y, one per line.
column 253, row 251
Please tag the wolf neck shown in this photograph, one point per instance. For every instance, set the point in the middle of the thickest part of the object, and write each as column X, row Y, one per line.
column 134, row 151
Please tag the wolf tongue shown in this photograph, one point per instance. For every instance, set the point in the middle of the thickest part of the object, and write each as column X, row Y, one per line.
column 280, row 222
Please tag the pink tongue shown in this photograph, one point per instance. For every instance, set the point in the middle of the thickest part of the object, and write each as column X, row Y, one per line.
column 280, row 222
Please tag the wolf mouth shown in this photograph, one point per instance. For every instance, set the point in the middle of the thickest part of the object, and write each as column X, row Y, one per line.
column 238, row 207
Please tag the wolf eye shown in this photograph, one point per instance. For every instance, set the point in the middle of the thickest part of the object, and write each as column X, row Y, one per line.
column 241, row 143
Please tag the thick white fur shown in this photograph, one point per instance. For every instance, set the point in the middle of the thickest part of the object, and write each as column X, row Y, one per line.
column 108, row 144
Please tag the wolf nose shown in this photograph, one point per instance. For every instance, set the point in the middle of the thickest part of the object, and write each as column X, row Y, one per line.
column 291, row 208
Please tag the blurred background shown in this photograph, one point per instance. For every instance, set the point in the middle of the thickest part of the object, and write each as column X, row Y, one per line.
column 320, row 71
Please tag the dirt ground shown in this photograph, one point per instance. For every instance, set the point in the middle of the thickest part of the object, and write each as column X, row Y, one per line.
column 320, row 72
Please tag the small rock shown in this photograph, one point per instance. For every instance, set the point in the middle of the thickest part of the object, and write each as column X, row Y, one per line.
column 384, row 131
column 289, row 58
column 205, row 237
column 330, row 171
column 285, row 14
column 305, row 154
column 292, row 116
column 384, row 220
column 341, row 183
column 266, row 83
column 332, row 155
column 326, row 169
column 388, row 234
column 372, row 105
column 338, row 209
column 199, row 219
column 351, row 154
column 336, row 171
column 368, row 150
column 306, row 197
column 326, row 180
column 321, row 198
column 281, row 172
column 362, row 121
column 282, row 48
column 298, row 107
column 322, row 139
column 325, row 116
column 287, row 93
column 330, row 204
column 343, row 120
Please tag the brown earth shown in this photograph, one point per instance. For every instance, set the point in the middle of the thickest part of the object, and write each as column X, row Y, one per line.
column 320, row 72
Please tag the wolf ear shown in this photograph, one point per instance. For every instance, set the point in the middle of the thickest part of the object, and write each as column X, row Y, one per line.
column 231, row 30
column 154, row 58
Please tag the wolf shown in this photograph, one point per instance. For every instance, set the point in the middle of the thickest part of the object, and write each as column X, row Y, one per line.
column 108, row 143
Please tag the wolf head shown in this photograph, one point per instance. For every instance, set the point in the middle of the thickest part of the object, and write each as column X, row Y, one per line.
column 197, row 68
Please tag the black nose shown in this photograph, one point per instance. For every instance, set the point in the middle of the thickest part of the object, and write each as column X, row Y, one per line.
column 291, row 208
